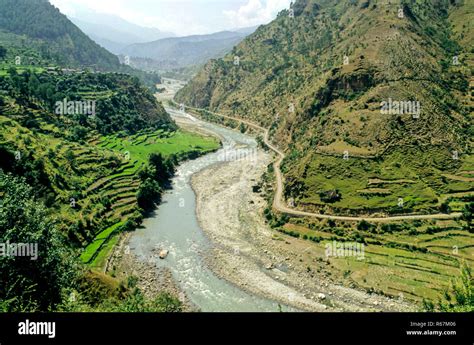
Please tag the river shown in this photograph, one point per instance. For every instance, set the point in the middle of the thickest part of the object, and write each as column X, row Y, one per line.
column 174, row 226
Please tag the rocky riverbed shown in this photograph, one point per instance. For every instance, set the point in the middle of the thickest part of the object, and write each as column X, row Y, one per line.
column 152, row 280
column 248, row 253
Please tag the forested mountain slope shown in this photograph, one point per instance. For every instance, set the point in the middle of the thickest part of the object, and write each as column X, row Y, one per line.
column 328, row 80
column 37, row 23
column 80, row 162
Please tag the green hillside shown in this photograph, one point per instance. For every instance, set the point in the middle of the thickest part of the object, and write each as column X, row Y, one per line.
column 86, row 151
column 93, row 175
column 38, row 24
column 35, row 33
column 318, row 80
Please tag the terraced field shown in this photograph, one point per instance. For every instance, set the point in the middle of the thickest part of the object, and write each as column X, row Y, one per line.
column 20, row 69
column 413, row 259
column 399, row 260
column 95, row 182
column 365, row 188
column 120, row 188
column 138, row 147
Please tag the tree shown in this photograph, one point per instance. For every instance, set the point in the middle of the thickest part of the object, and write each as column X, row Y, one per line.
column 33, row 85
column 148, row 193
column 364, row 225
column 78, row 133
column 3, row 52
column 330, row 196
column 445, row 208
column 468, row 212
column 31, row 282
column 136, row 302
column 164, row 168
column 70, row 157
column 460, row 296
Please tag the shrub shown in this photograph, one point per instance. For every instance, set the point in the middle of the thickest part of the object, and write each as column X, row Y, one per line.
column 365, row 225
column 330, row 196
column 459, row 297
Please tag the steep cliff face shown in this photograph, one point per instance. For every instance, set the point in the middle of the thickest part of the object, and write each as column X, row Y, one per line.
column 367, row 77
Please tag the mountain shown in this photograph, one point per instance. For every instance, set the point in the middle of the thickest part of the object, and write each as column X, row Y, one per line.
column 246, row 31
column 179, row 52
column 83, row 155
column 115, row 33
column 39, row 25
column 347, row 78
column 37, row 33
column 111, row 46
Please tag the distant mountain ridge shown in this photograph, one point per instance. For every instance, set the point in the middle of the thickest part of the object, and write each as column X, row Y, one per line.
column 179, row 52
column 113, row 32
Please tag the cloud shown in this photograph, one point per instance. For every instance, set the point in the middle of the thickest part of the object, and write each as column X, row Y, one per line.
column 256, row 12
column 114, row 7
column 183, row 17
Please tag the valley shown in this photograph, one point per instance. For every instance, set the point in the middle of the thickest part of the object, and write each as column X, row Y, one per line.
column 227, row 236
column 282, row 207
column 258, row 259
column 320, row 161
column 314, row 84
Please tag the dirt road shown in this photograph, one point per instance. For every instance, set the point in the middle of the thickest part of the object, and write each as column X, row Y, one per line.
column 281, row 206
column 248, row 253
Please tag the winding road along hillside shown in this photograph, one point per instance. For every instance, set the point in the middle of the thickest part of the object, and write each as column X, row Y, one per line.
column 281, row 206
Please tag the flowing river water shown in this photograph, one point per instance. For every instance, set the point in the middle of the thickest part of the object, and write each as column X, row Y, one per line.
column 175, row 227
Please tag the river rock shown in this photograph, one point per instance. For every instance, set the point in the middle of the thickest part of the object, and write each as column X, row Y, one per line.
column 321, row 296
column 163, row 254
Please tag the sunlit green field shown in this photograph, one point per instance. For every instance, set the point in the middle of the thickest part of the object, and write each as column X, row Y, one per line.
column 121, row 186
column 100, row 175
column 139, row 147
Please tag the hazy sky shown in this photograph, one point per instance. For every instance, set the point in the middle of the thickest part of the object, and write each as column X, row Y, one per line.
column 183, row 17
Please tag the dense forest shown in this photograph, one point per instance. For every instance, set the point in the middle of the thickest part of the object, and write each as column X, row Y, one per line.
column 134, row 107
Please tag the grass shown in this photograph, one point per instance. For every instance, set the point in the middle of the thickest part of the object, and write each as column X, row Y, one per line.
column 92, row 249
column 19, row 68
column 139, row 147
column 368, row 185
column 105, row 251
column 390, row 266
column 92, row 172
column 120, row 187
